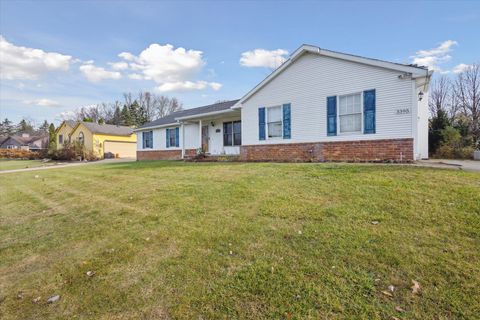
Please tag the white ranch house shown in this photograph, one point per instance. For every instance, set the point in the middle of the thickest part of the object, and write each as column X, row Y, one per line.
column 319, row 105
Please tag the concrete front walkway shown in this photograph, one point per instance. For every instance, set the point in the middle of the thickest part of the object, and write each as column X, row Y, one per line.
column 68, row 164
column 467, row 165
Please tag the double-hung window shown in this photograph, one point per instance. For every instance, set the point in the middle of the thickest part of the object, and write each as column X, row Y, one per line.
column 147, row 139
column 173, row 137
column 274, row 122
column 60, row 138
column 350, row 113
column 232, row 133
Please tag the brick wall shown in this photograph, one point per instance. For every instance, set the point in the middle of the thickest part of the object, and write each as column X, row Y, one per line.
column 164, row 154
column 399, row 150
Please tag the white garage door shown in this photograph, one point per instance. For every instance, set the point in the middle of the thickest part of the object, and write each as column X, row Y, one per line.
column 123, row 149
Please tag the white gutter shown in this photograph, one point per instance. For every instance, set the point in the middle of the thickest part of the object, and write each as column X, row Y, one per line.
column 156, row 127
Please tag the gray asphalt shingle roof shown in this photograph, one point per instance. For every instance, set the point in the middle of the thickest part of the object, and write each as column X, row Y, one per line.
column 170, row 119
column 109, row 129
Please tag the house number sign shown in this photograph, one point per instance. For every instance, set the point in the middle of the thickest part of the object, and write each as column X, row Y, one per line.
column 403, row 111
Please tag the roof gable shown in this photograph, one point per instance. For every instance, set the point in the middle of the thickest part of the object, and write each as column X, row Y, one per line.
column 415, row 71
column 67, row 123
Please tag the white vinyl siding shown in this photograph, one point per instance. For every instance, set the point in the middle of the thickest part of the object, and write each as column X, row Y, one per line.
column 310, row 80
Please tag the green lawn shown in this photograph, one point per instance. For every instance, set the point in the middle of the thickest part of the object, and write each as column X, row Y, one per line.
column 174, row 240
column 21, row 164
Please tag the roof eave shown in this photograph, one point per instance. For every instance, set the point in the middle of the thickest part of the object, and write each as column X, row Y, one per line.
column 156, row 126
column 206, row 114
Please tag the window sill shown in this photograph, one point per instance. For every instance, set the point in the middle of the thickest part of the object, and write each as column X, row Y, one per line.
column 350, row 133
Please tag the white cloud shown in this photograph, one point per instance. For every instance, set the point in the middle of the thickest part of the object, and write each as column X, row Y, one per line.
column 461, row 68
column 433, row 57
column 127, row 56
column 42, row 102
column 96, row 74
column 28, row 63
column 188, row 86
column 118, row 65
column 172, row 69
column 135, row 76
column 263, row 58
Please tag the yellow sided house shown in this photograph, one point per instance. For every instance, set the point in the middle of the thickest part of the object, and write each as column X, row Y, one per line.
column 105, row 140
column 63, row 132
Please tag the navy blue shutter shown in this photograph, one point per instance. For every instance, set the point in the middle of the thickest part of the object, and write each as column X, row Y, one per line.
column 261, row 123
column 168, row 138
column 332, row 116
column 150, row 139
column 177, row 136
column 143, row 140
column 369, row 111
column 286, row 121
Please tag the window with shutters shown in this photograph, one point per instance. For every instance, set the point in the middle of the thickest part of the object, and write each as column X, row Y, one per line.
column 350, row 113
column 274, row 122
column 148, row 139
column 232, row 133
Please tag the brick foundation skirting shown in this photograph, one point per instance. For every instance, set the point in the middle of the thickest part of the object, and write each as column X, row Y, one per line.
column 164, row 154
column 398, row 150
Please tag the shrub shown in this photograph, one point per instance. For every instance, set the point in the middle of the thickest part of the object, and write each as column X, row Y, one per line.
column 73, row 151
column 19, row 154
column 453, row 145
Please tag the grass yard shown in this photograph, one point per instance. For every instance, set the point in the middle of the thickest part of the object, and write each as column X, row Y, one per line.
column 171, row 240
column 21, row 164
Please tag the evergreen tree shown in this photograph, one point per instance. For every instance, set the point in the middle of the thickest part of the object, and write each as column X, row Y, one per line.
column 44, row 128
column 142, row 116
column 126, row 116
column 134, row 113
column 436, row 126
column 25, row 127
column 6, row 128
column 52, row 140
column 117, row 116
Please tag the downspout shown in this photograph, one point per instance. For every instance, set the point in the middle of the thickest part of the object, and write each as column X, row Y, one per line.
column 183, row 139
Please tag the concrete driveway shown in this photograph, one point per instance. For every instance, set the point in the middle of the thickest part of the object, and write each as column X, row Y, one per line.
column 69, row 164
column 467, row 165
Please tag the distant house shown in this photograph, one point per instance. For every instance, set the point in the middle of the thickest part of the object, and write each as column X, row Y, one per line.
column 63, row 132
column 319, row 105
column 103, row 140
column 25, row 142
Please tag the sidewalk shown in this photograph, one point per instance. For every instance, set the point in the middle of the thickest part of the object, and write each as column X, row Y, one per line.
column 467, row 165
column 69, row 164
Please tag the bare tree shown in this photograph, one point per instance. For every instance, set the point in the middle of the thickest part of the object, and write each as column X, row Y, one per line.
column 439, row 96
column 467, row 92
column 165, row 105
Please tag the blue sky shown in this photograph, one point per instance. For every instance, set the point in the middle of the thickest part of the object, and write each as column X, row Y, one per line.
column 60, row 55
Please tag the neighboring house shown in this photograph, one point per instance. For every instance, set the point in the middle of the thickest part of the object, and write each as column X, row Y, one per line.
column 214, row 128
column 105, row 139
column 25, row 142
column 319, row 105
column 63, row 132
